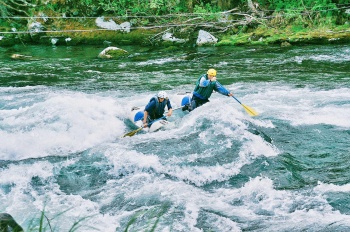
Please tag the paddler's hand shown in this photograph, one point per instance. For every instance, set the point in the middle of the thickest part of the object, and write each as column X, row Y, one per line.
column 145, row 125
column 170, row 112
column 230, row 94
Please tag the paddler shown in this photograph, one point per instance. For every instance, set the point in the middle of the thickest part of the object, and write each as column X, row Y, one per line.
column 205, row 85
column 156, row 107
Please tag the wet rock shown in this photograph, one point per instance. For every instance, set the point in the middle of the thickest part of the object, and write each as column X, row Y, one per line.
column 21, row 57
column 54, row 41
column 112, row 53
column 8, row 223
column 67, row 40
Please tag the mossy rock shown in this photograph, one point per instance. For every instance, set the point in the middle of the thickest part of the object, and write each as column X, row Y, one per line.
column 112, row 53
column 117, row 53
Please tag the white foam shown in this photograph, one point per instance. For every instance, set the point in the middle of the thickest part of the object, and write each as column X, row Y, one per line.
column 24, row 200
column 227, row 121
column 146, row 185
column 60, row 123
column 295, row 209
column 158, row 61
column 326, row 188
column 304, row 106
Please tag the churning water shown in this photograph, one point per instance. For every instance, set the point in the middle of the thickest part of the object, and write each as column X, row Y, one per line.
column 63, row 113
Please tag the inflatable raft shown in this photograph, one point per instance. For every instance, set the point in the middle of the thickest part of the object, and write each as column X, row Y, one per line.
column 177, row 101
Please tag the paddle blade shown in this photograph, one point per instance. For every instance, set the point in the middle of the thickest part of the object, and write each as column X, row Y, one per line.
column 250, row 111
column 132, row 133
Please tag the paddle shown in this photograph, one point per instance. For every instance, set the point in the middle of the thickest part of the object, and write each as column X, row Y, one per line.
column 132, row 133
column 249, row 110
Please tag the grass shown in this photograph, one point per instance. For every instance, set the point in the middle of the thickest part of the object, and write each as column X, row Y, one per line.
column 263, row 35
column 44, row 224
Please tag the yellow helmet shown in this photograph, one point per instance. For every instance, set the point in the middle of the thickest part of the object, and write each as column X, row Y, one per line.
column 211, row 72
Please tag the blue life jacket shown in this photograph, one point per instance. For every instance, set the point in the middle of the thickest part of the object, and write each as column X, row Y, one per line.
column 158, row 111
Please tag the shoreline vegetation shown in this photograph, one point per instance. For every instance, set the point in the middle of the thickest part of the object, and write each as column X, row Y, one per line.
column 259, row 22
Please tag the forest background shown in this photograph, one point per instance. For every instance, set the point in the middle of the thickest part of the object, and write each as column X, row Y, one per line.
column 233, row 22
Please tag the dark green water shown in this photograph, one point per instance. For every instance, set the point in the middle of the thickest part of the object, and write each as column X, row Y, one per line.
column 215, row 169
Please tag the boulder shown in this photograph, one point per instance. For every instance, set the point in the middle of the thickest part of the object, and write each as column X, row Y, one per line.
column 111, row 25
column 170, row 37
column 68, row 40
column 54, row 41
column 112, row 53
column 16, row 56
column 8, row 223
column 125, row 27
column 205, row 38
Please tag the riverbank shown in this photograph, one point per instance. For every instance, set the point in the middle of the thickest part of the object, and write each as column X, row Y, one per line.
column 63, row 33
column 289, row 36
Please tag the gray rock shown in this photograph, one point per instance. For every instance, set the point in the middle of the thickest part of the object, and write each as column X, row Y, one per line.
column 111, row 25
column 205, row 38
column 8, row 223
column 170, row 37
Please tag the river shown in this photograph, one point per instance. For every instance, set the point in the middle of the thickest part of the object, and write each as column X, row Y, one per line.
column 63, row 113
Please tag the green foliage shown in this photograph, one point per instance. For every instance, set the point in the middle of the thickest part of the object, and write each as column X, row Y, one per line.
column 299, row 6
column 142, row 7
column 43, row 223
column 148, row 219
column 208, row 10
column 297, row 28
column 305, row 13
column 295, row 15
column 3, row 11
column 205, row 8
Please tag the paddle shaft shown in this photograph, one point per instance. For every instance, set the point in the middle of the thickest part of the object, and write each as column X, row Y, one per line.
column 132, row 133
column 175, row 109
column 248, row 109
column 237, row 100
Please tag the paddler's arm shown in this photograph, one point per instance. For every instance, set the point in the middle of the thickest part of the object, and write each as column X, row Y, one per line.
column 149, row 108
column 170, row 112
column 204, row 82
column 170, row 109
column 145, row 114
column 221, row 89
